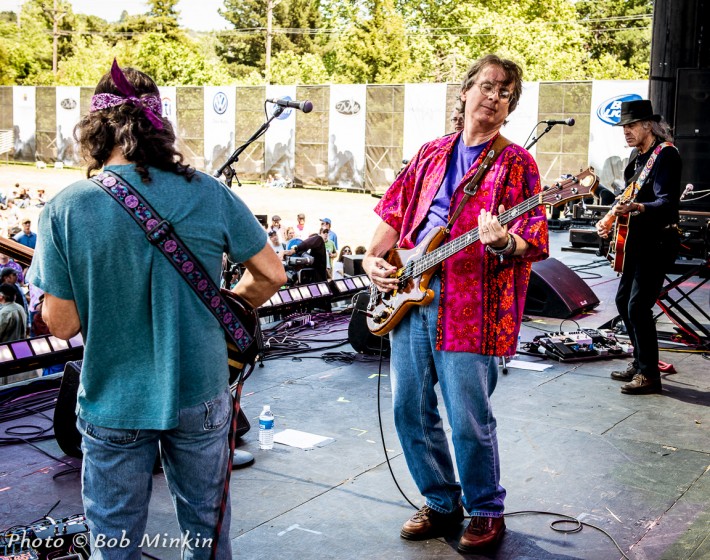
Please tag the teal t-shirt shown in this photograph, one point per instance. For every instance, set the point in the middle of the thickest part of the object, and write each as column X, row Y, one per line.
column 151, row 347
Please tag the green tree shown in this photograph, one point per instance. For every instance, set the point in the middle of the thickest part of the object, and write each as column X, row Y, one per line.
column 618, row 36
column 244, row 47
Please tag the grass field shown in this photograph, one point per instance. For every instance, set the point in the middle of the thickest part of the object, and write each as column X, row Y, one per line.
column 353, row 219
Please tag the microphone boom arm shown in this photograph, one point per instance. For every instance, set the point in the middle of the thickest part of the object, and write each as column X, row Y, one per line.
column 226, row 168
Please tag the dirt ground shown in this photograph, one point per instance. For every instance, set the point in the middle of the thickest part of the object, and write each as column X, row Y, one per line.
column 351, row 213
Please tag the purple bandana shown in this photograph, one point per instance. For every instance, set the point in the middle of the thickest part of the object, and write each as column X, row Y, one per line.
column 151, row 104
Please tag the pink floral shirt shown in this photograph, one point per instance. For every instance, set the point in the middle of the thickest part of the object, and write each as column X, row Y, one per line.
column 482, row 298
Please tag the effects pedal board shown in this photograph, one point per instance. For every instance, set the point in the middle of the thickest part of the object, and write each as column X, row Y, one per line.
column 48, row 539
column 583, row 344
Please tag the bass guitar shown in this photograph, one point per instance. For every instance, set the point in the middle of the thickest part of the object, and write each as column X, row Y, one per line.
column 415, row 267
column 620, row 234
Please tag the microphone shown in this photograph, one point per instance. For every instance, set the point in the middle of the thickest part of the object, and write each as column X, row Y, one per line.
column 568, row 122
column 688, row 190
column 305, row 106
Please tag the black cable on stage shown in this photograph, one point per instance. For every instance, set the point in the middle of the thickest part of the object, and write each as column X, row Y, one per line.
column 554, row 525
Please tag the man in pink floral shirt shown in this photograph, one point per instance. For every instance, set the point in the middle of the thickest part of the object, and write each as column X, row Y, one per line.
column 476, row 312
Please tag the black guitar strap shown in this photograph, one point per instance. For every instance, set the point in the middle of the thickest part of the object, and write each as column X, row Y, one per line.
column 472, row 184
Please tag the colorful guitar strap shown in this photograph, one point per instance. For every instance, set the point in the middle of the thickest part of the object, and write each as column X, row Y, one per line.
column 651, row 161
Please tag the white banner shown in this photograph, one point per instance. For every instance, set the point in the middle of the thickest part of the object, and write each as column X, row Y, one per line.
column 280, row 139
column 346, row 142
column 608, row 153
column 424, row 116
column 24, row 122
column 68, row 115
column 168, row 95
column 219, row 115
column 522, row 121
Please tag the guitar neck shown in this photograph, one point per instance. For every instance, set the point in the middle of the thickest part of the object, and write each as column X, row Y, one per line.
column 440, row 254
column 16, row 251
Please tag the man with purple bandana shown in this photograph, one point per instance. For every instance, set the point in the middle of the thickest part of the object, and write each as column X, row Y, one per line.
column 154, row 378
column 476, row 313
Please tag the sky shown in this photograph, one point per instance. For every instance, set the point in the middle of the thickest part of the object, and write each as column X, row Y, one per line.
column 200, row 15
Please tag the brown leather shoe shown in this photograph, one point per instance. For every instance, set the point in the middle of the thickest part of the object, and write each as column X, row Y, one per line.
column 625, row 375
column 430, row 524
column 641, row 385
column 482, row 533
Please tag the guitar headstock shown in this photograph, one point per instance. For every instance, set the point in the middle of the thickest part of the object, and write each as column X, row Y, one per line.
column 579, row 186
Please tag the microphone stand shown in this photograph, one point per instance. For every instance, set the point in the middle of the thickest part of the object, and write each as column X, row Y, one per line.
column 242, row 459
column 226, row 169
column 534, row 140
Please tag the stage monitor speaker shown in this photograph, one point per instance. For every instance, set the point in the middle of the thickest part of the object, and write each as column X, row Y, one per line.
column 692, row 108
column 557, row 291
column 352, row 265
column 262, row 219
column 359, row 336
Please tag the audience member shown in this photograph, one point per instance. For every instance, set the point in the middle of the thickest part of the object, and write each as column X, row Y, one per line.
column 26, row 237
column 325, row 224
column 300, row 229
column 330, row 251
column 6, row 261
column 276, row 226
column 338, row 264
column 360, row 250
column 8, row 276
column 275, row 243
column 13, row 319
column 291, row 239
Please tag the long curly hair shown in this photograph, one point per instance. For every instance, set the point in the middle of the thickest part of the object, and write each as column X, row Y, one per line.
column 126, row 127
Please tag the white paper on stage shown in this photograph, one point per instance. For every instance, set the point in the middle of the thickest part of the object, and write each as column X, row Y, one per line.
column 523, row 120
column 531, row 366
column 24, row 122
column 346, row 142
column 608, row 153
column 68, row 115
column 424, row 116
column 302, row 440
column 280, row 138
column 168, row 95
column 219, row 115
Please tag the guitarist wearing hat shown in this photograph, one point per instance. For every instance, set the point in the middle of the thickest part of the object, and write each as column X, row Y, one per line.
column 476, row 310
column 644, row 220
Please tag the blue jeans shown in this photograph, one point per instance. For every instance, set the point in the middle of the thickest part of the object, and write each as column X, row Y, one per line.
column 467, row 381
column 117, row 480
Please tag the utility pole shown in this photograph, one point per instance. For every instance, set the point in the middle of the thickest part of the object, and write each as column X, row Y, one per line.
column 56, row 16
column 270, row 5
column 269, row 21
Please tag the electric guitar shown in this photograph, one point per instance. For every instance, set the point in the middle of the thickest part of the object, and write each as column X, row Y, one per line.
column 616, row 253
column 415, row 267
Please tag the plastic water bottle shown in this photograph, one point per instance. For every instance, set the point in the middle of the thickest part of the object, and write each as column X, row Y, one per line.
column 266, row 428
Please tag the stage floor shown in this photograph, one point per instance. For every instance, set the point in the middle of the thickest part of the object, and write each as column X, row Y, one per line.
column 637, row 467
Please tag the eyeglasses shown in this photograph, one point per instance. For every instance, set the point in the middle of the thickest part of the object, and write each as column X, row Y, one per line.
column 487, row 89
column 456, row 120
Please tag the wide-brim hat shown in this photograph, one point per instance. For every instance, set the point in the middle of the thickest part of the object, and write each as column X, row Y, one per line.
column 638, row 110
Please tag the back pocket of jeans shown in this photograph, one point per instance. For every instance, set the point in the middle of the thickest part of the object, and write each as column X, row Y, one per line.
column 218, row 411
column 110, row 435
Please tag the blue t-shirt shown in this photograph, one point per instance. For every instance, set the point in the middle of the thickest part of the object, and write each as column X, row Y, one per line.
column 462, row 158
column 26, row 240
column 151, row 347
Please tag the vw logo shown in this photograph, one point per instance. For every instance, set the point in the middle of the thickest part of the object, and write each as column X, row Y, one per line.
column 347, row 107
column 220, row 103
column 286, row 113
column 609, row 111
column 68, row 103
